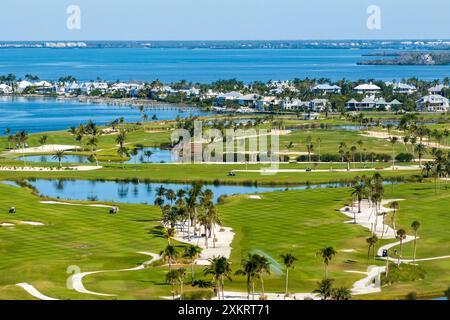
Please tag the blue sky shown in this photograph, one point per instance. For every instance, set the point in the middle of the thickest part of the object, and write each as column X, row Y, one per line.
column 223, row 19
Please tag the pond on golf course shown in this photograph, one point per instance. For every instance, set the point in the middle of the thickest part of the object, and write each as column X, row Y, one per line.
column 141, row 192
column 143, row 155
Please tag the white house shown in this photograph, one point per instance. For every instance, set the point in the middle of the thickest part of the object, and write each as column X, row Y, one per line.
column 294, row 104
column 367, row 88
column 370, row 103
column 247, row 100
column 438, row 89
column 433, row 103
column 229, row 96
column 266, row 103
column 22, row 85
column 326, row 88
column 318, row 105
column 5, row 89
column 403, row 88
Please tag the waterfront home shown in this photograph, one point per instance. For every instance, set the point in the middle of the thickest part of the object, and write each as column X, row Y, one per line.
column 267, row 103
column 372, row 103
column 88, row 87
column 367, row 88
column 22, row 85
column 326, row 88
column 229, row 96
column 437, row 89
column 71, row 87
column 210, row 94
column 318, row 105
column 403, row 88
column 248, row 100
column 278, row 87
column 294, row 104
column 5, row 89
column 433, row 103
column 43, row 87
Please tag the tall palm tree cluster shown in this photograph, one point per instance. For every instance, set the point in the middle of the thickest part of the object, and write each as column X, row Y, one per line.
column 438, row 168
column 88, row 134
column 191, row 212
column 372, row 189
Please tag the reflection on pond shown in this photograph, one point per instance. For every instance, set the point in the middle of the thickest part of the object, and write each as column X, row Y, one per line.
column 141, row 192
column 137, row 156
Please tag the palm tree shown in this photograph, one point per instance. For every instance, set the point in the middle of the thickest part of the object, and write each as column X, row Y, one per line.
column 192, row 205
column 169, row 234
column 393, row 141
column 327, row 254
column 360, row 143
column 59, row 155
column 43, row 140
column 249, row 271
column 148, row 154
column 394, row 206
column 192, row 252
column 359, row 190
column 325, row 288
column 170, row 195
column 121, row 137
column 371, row 241
column 21, row 138
column 288, row 261
column 123, row 153
column 219, row 268
column 415, row 226
column 181, row 274
column 169, row 254
column 401, row 235
column 420, row 150
column 309, row 147
column 319, row 141
column 172, row 279
column 262, row 267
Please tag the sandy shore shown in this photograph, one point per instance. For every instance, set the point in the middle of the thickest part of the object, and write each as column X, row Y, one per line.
column 222, row 247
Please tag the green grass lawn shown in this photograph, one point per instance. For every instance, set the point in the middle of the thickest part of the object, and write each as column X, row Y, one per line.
column 212, row 173
column 299, row 222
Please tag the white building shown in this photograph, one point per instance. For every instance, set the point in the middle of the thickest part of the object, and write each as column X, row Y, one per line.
column 438, row 89
column 326, row 88
column 318, row 105
column 22, row 85
column 367, row 88
column 294, row 104
column 5, row 89
column 403, row 88
column 229, row 96
column 247, row 100
column 371, row 103
column 266, row 103
column 433, row 103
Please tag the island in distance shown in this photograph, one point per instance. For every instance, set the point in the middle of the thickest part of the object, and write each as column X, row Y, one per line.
column 409, row 59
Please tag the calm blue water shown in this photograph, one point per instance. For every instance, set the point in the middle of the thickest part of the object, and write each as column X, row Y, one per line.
column 204, row 65
column 47, row 114
column 128, row 192
column 158, row 156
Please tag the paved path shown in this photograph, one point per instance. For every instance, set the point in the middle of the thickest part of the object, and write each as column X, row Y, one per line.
column 77, row 279
column 34, row 292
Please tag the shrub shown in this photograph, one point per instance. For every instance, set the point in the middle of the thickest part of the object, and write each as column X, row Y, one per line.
column 402, row 273
column 404, row 157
